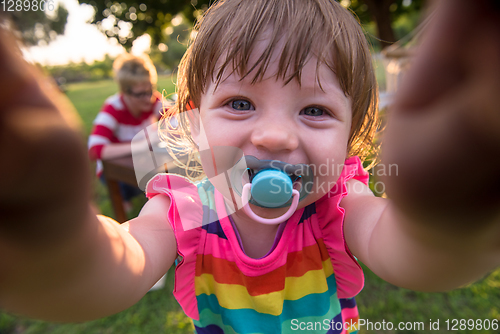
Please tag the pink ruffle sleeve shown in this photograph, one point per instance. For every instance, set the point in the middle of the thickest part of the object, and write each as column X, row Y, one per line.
column 348, row 272
column 185, row 216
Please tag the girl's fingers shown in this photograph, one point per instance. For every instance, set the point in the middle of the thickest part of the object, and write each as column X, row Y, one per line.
column 444, row 127
column 43, row 158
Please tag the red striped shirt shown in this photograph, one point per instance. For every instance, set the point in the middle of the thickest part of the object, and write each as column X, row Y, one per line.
column 115, row 124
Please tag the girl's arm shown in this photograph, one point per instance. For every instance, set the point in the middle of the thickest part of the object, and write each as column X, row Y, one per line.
column 413, row 253
column 100, row 270
column 58, row 260
column 442, row 226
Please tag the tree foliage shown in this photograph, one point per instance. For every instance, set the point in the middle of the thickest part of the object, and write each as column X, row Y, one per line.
column 129, row 19
column 384, row 14
column 35, row 26
column 168, row 54
column 152, row 17
column 76, row 72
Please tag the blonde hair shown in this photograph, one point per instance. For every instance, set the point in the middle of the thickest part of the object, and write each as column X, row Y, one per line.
column 130, row 70
column 230, row 29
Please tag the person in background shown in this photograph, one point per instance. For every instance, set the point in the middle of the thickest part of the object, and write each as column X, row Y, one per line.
column 136, row 106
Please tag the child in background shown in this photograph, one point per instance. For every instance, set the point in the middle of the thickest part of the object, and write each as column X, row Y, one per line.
column 287, row 81
column 125, row 114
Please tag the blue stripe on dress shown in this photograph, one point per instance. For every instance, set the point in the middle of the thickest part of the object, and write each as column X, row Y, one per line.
column 308, row 212
column 251, row 321
column 333, row 328
column 347, row 303
column 215, row 228
column 211, row 329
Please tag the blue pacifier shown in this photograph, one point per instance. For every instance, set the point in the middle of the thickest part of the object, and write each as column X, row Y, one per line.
column 271, row 185
column 271, row 188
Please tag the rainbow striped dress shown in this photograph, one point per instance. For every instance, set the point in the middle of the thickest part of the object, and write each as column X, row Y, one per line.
column 305, row 283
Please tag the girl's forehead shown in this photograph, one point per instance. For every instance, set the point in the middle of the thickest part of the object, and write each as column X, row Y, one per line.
column 266, row 61
column 314, row 75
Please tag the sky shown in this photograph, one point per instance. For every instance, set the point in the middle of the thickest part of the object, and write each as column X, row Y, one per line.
column 81, row 41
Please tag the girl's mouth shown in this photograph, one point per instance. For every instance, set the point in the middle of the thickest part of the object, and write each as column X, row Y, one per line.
column 272, row 182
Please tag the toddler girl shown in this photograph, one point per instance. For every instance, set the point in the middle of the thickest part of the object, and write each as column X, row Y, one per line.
column 283, row 87
column 269, row 81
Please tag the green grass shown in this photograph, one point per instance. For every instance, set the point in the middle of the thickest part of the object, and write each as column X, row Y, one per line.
column 158, row 312
column 380, row 301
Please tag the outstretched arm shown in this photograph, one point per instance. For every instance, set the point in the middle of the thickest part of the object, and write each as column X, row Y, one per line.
column 58, row 260
column 443, row 226
column 414, row 253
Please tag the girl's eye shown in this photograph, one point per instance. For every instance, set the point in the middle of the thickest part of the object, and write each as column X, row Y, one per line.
column 313, row 111
column 241, row 105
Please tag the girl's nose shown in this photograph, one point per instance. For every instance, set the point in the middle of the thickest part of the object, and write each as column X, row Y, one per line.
column 274, row 137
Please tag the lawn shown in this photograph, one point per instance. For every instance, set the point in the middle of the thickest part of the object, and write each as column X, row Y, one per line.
column 158, row 312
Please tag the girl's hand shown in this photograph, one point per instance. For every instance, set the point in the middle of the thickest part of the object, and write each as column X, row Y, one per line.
column 443, row 134
column 43, row 159
column 58, row 261
column 444, row 127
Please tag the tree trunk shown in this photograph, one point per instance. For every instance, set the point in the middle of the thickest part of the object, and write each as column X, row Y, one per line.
column 379, row 9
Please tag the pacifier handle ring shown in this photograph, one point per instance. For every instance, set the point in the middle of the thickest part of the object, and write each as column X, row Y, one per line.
column 268, row 221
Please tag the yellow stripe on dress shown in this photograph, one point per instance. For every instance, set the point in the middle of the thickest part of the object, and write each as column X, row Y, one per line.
column 235, row 296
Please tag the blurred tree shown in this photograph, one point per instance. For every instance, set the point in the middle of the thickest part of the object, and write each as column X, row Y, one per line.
column 129, row 19
column 170, row 53
column 35, row 27
column 384, row 13
column 76, row 72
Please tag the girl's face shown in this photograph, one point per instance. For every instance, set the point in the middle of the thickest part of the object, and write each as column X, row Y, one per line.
column 292, row 123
